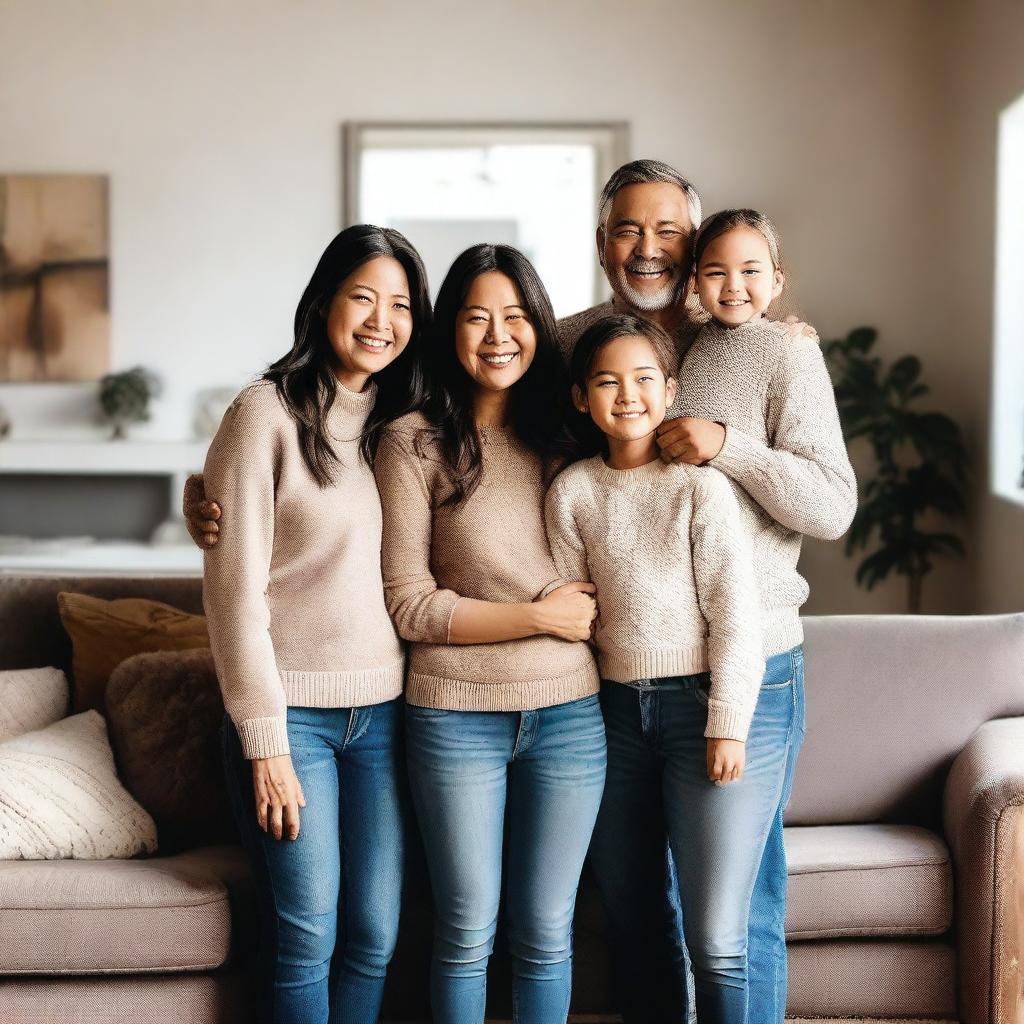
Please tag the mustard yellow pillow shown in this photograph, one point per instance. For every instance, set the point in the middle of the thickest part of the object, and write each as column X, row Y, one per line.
column 104, row 633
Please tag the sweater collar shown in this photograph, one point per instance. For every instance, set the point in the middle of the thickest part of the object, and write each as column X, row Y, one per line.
column 349, row 410
column 714, row 331
column 626, row 477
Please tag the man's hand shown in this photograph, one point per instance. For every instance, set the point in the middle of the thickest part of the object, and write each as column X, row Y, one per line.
column 795, row 328
column 200, row 515
column 726, row 759
column 690, row 440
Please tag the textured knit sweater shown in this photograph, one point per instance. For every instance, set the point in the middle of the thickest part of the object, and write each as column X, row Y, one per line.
column 293, row 588
column 784, row 452
column 570, row 328
column 492, row 546
column 784, row 448
column 669, row 553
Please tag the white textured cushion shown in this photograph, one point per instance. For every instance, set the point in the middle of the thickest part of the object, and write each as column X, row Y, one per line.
column 31, row 698
column 60, row 796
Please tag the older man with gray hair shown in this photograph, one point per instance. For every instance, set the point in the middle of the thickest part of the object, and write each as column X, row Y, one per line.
column 774, row 431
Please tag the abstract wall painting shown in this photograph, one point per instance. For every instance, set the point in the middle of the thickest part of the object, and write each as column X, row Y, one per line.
column 54, row 277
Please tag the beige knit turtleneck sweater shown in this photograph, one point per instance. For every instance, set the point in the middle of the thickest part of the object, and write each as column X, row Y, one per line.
column 784, row 452
column 669, row 553
column 293, row 588
column 492, row 547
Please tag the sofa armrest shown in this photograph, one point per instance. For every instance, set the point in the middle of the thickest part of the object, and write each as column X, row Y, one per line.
column 984, row 821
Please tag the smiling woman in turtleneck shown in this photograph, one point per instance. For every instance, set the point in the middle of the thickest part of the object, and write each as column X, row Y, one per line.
column 307, row 658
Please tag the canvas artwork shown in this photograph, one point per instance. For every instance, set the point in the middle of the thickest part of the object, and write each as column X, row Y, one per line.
column 54, row 278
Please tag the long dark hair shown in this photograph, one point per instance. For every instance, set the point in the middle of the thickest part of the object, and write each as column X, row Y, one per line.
column 305, row 377
column 537, row 399
column 587, row 437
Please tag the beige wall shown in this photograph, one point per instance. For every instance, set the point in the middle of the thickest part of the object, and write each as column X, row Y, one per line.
column 220, row 126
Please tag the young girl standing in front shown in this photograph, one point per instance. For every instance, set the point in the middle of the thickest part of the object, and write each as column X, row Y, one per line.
column 692, row 736
column 758, row 406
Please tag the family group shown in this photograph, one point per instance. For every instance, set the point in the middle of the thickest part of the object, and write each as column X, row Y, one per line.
column 528, row 587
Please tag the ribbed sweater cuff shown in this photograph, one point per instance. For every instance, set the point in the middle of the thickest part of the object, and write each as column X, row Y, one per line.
column 739, row 455
column 263, row 737
column 728, row 721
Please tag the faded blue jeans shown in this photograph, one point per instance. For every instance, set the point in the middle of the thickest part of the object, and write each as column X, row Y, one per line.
column 329, row 899
column 471, row 771
column 726, row 843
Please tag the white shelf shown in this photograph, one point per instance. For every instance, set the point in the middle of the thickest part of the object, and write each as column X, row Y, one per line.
column 133, row 458
column 78, row 558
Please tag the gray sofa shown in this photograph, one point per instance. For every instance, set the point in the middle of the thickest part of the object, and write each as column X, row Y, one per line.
column 905, row 839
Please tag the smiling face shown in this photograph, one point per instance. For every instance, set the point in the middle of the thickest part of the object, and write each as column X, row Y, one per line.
column 494, row 339
column 644, row 245
column 737, row 279
column 627, row 390
column 369, row 322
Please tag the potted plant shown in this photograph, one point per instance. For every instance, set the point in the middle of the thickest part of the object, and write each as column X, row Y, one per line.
column 125, row 397
column 920, row 464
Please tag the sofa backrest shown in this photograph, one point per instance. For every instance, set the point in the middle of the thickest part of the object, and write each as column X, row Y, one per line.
column 891, row 700
column 31, row 634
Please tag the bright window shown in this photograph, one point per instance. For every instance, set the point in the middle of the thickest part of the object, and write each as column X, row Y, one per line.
column 1007, row 466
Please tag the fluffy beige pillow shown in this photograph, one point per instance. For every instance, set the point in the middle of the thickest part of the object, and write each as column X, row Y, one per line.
column 60, row 796
column 31, row 698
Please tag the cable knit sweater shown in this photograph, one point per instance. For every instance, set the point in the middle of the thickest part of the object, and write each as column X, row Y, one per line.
column 784, row 452
column 784, row 449
column 492, row 547
column 670, row 556
column 293, row 589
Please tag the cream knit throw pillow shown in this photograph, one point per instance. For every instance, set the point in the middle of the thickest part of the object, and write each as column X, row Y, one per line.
column 60, row 796
column 31, row 698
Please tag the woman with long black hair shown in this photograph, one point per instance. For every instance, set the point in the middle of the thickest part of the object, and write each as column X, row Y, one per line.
column 307, row 658
column 502, row 715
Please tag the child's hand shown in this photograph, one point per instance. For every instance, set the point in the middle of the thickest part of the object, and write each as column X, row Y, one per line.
column 690, row 440
column 725, row 760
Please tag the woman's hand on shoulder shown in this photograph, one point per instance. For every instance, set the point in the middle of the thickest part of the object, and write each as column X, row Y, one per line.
column 278, row 796
column 726, row 759
column 568, row 611
column 200, row 515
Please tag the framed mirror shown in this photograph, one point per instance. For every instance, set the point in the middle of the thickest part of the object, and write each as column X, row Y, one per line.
column 449, row 186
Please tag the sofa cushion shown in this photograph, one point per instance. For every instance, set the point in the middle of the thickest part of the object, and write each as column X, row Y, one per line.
column 867, row 880
column 104, row 633
column 891, row 700
column 117, row 916
column 876, row 981
column 165, row 713
column 30, row 699
column 60, row 796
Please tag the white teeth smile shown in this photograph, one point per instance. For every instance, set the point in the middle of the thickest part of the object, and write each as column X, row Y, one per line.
column 502, row 360
column 627, row 415
column 733, row 302
column 375, row 343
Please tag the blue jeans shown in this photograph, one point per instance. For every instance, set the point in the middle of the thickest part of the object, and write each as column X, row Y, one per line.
column 329, row 899
column 543, row 771
column 657, row 786
column 766, row 930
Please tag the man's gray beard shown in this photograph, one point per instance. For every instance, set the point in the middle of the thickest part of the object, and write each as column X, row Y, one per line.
column 664, row 298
